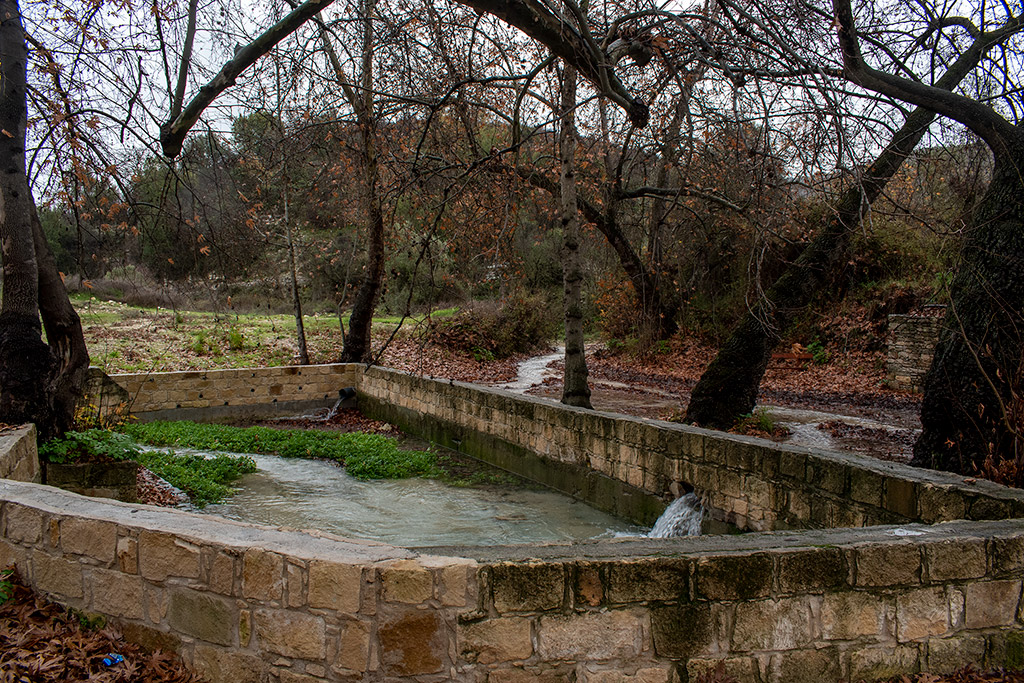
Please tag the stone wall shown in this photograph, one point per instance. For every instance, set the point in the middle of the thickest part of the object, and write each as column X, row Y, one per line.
column 248, row 604
column 626, row 465
column 18, row 457
column 212, row 395
column 912, row 340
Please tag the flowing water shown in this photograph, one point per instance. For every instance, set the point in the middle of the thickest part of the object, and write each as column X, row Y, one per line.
column 684, row 517
column 312, row 494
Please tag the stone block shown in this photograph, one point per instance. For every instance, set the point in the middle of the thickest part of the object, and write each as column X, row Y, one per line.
column 412, row 643
column 532, row 675
column 89, row 537
column 527, row 587
column 645, row 580
column 876, row 663
column 201, row 615
column 806, row 665
column 286, row 676
column 148, row 637
column 291, row 634
column 854, row 614
column 888, row 565
column 941, row 504
column 738, row 669
column 812, row 570
column 23, row 524
column 295, row 580
column 683, row 631
column 588, row 586
column 128, row 555
column 826, row 474
column 496, row 640
column 591, row 636
column 1007, row 555
column 866, row 486
column 454, row 584
column 56, row 576
column 354, row 646
column 946, row 655
column 117, row 594
column 922, row 613
column 408, row 582
column 772, row 625
column 991, row 603
column 164, row 555
column 335, row 586
column 221, row 573
column 734, row 577
column 262, row 575
column 215, row 664
column 900, row 497
column 955, row 559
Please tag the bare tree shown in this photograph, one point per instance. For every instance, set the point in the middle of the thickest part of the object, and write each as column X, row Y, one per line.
column 973, row 406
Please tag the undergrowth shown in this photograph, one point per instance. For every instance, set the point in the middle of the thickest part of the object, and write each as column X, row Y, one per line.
column 365, row 456
column 205, row 480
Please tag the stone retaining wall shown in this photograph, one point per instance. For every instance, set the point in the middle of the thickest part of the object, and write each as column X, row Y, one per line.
column 259, row 605
column 912, row 341
column 18, row 457
column 248, row 604
column 212, row 395
column 625, row 465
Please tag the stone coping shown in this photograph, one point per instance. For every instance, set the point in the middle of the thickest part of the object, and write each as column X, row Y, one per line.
column 303, row 544
column 200, row 528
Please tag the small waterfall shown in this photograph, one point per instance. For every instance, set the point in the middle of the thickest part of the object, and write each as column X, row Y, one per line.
column 682, row 518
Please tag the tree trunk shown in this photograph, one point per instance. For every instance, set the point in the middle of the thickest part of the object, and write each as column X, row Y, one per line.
column 729, row 386
column 63, row 335
column 974, row 391
column 575, row 389
column 38, row 383
column 357, row 342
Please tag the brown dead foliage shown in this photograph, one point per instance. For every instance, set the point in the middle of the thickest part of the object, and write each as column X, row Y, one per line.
column 42, row 643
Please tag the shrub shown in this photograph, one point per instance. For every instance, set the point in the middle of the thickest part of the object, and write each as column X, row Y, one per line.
column 518, row 325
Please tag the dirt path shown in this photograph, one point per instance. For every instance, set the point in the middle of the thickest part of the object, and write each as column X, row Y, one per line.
column 842, row 405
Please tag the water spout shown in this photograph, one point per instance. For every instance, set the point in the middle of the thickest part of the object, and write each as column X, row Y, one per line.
column 682, row 518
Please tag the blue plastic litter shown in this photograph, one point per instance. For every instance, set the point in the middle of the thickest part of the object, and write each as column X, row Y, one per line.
column 112, row 659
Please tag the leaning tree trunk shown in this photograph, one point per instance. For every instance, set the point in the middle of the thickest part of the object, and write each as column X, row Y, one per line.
column 575, row 389
column 38, row 383
column 729, row 386
column 974, row 391
column 63, row 335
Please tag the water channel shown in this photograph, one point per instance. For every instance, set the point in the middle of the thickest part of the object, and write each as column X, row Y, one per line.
column 314, row 494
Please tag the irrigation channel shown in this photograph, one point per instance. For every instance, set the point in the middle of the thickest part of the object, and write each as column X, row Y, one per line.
column 315, row 494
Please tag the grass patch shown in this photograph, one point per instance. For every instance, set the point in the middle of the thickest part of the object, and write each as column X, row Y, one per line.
column 365, row 456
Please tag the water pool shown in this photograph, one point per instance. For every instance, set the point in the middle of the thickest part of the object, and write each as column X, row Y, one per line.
column 313, row 494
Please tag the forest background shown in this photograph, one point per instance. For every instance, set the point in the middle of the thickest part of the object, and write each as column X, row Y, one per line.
column 729, row 171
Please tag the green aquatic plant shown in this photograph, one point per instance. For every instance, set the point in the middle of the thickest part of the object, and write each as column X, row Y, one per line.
column 365, row 456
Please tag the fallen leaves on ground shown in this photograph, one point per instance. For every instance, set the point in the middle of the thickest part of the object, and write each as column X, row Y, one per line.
column 42, row 643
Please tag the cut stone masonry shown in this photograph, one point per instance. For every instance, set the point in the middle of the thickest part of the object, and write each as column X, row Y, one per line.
column 911, row 585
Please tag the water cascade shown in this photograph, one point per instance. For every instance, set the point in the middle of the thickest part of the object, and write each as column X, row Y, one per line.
column 682, row 518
